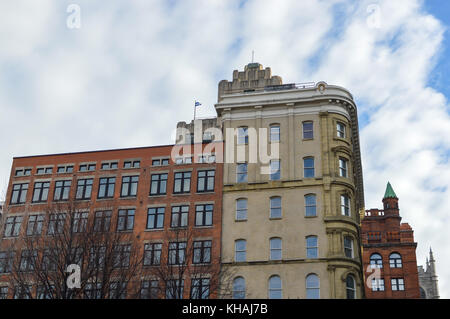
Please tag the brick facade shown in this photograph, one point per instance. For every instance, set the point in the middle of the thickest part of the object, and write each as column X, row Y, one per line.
column 384, row 234
column 140, row 202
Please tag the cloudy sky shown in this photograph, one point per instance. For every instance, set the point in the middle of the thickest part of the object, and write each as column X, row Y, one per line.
column 134, row 68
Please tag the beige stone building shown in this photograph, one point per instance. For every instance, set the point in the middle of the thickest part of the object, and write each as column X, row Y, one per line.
column 291, row 232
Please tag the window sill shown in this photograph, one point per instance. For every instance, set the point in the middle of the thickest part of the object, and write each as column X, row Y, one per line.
column 157, row 195
column 240, row 220
column 153, row 229
column 127, row 197
column 203, row 227
column 206, row 192
column 315, row 216
column 275, row 218
column 308, row 139
column 181, row 194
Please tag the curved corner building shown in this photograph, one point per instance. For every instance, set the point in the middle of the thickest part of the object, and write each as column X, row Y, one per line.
column 293, row 233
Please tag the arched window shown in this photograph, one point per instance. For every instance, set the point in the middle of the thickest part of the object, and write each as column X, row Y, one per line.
column 275, row 207
column 308, row 167
column 240, row 250
column 312, row 287
column 275, row 289
column 275, row 133
column 376, row 261
column 395, row 260
column 311, row 247
column 350, row 287
column 241, row 209
column 239, row 288
column 308, row 130
column 423, row 294
column 275, row 249
column 310, row 205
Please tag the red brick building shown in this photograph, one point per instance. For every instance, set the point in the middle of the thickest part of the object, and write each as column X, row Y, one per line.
column 388, row 247
column 157, row 193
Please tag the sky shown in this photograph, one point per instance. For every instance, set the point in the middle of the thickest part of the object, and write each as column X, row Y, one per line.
column 130, row 70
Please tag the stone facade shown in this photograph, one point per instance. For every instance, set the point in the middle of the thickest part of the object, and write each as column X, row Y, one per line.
column 428, row 280
column 262, row 105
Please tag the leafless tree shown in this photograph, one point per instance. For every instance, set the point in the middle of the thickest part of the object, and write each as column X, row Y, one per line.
column 67, row 234
column 185, row 262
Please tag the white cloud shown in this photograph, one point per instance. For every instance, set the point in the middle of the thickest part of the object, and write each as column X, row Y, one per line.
column 133, row 70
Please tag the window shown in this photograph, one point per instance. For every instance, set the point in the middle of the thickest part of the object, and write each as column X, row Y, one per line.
column 129, row 186
column 340, row 129
column 312, row 287
column 275, row 170
column 240, row 250
column 205, row 181
column 182, row 182
column 155, row 218
column 84, row 188
column 202, row 252
column 152, row 254
column 93, row 290
column 87, row 167
column 310, row 205
column 345, row 205
column 56, row 224
column 275, row 133
column 308, row 167
column 44, row 170
column 348, row 247
column 377, row 284
column 308, row 132
column 343, row 167
column 275, row 289
column 40, row 192
column 311, row 247
column 12, row 226
column 242, row 135
column 35, row 223
column 64, row 169
column 19, row 193
column 28, row 260
column 200, row 288
column 203, row 215
column 207, row 137
column 49, row 259
column 177, row 253
column 275, row 249
column 62, row 190
column 376, row 261
column 158, row 184
column 239, row 288
column 117, row 290
column 241, row 209
column 109, row 165
column 350, row 287
column 3, row 292
column 125, row 222
column 179, row 216
column 19, row 172
column 160, row 162
column 23, row 292
column 397, row 284
column 149, row 289
column 131, row 164
column 102, row 221
column 241, row 173
column 106, row 187
column 395, row 260
column 275, row 207
column 80, row 220
column 174, row 289
column 6, row 261
column 97, row 257
column 121, row 256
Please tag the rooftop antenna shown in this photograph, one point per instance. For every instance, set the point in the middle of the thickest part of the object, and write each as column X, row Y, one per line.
column 253, row 55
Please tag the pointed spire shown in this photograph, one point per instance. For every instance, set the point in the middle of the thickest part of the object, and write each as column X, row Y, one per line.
column 389, row 192
column 431, row 255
